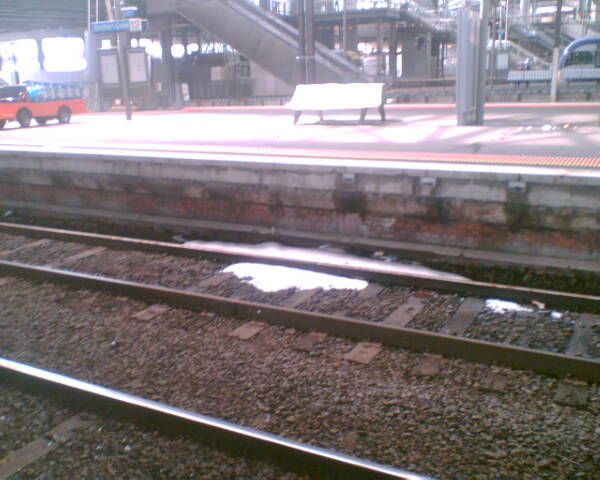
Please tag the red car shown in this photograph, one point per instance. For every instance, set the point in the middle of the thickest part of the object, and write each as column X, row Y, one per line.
column 16, row 104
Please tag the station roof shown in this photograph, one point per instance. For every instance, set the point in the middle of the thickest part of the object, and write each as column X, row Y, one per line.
column 26, row 15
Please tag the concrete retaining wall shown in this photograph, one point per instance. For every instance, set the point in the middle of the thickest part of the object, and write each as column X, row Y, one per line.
column 532, row 212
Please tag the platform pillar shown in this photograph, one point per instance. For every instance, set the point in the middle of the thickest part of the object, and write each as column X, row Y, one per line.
column 524, row 10
column 380, row 57
column 166, row 42
column 41, row 56
column 416, row 54
column 92, row 73
column 393, row 54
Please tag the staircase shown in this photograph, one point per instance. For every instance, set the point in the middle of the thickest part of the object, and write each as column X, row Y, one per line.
column 261, row 37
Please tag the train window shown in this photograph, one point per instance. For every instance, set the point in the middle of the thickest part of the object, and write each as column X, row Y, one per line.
column 580, row 58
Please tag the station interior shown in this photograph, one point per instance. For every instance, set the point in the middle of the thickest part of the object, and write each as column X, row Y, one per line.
column 199, row 51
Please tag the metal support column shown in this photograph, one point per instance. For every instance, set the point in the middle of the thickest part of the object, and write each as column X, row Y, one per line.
column 166, row 42
column 310, row 41
column 506, row 20
column 556, row 53
column 444, row 47
column 301, row 43
column 524, row 11
column 484, row 15
column 493, row 60
column 467, row 43
column 123, row 46
column 393, row 54
column 380, row 59
column 109, row 10
column 41, row 57
column 344, row 28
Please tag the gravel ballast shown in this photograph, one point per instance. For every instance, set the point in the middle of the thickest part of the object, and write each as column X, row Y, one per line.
column 538, row 328
column 447, row 425
column 105, row 448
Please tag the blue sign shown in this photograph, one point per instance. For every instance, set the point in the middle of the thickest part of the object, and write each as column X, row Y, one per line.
column 128, row 25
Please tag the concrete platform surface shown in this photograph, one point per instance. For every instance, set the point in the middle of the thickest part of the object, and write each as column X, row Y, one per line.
column 554, row 135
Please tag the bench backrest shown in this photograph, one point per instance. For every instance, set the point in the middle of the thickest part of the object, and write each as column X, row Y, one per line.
column 337, row 96
column 529, row 76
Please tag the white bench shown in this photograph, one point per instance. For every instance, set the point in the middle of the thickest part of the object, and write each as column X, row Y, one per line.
column 526, row 76
column 321, row 97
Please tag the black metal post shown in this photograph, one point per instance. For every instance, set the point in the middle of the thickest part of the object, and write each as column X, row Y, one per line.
column 310, row 41
column 123, row 47
column 493, row 56
column 484, row 16
column 301, row 43
column 556, row 52
column 393, row 54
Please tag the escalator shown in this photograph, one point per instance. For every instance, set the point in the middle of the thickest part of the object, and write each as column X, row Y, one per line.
column 260, row 36
column 533, row 38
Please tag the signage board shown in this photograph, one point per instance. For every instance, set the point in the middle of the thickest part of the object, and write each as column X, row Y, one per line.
column 138, row 66
column 109, row 68
column 127, row 25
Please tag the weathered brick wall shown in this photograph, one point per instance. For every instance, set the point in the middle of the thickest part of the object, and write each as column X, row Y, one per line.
column 556, row 215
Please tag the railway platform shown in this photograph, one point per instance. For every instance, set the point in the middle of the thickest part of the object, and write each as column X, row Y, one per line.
column 520, row 188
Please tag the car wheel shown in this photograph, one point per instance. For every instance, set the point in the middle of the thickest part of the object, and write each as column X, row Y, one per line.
column 41, row 121
column 64, row 115
column 2, row 123
column 24, row 118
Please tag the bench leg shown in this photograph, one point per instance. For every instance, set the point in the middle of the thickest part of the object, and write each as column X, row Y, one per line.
column 382, row 112
column 321, row 115
column 363, row 114
column 297, row 116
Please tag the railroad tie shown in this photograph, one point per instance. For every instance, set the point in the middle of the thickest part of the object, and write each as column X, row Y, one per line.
column 248, row 330
column 572, row 394
column 309, row 341
column 464, row 316
column 151, row 312
column 39, row 448
column 215, row 280
column 404, row 314
column 371, row 290
column 363, row 353
column 37, row 244
column 529, row 318
column 299, row 297
column 77, row 257
column 582, row 334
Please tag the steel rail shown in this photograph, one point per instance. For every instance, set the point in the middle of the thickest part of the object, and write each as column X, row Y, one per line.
column 556, row 299
column 475, row 350
column 219, row 433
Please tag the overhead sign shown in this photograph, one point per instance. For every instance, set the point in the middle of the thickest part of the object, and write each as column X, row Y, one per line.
column 128, row 25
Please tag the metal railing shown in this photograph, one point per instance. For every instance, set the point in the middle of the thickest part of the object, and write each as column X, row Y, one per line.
column 519, row 51
column 439, row 20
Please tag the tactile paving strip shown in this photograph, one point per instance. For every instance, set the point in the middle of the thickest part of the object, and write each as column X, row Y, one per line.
column 498, row 159
column 371, row 155
column 435, row 157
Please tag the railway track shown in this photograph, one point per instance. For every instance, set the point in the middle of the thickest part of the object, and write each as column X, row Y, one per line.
column 431, row 313
column 442, row 417
column 289, row 454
